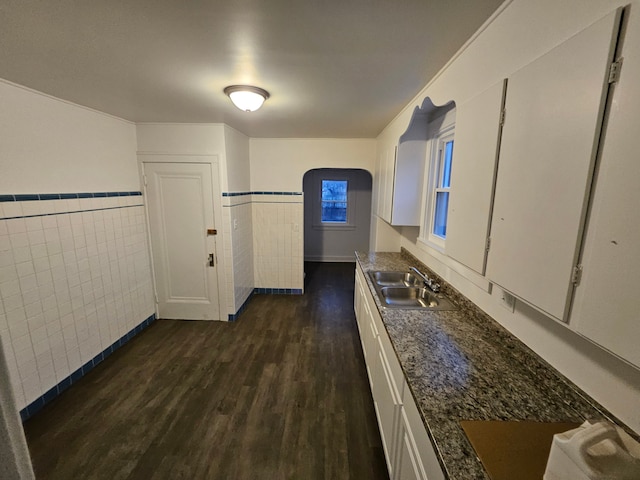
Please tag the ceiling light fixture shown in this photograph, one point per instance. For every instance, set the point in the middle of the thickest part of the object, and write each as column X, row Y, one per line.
column 246, row 97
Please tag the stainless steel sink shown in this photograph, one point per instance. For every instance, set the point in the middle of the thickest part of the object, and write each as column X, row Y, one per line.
column 405, row 290
column 395, row 279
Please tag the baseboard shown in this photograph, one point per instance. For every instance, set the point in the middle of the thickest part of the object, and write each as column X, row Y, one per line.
column 264, row 291
column 330, row 258
column 35, row 406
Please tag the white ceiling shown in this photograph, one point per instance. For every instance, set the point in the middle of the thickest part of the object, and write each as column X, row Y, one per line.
column 334, row 68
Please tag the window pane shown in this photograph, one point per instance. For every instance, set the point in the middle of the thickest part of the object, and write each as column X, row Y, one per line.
column 440, row 214
column 334, row 201
column 448, row 157
column 334, row 212
column 334, row 190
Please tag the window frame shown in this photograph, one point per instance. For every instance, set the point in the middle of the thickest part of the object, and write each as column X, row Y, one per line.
column 317, row 223
column 435, row 173
column 323, row 202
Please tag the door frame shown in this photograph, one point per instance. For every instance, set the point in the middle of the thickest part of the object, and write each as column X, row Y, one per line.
column 213, row 161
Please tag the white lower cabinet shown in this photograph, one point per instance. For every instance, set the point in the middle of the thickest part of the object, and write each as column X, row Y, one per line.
column 407, row 447
column 387, row 401
column 409, row 464
column 417, row 457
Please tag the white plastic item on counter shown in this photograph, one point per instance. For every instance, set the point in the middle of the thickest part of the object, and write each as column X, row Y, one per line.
column 599, row 451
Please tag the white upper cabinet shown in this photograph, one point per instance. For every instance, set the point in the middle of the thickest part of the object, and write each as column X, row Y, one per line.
column 605, row 307
column 554, row 111
column 401, row 168
column 385, row 170
column 472, row 176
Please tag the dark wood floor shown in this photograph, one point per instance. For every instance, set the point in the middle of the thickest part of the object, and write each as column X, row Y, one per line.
column 279, row 394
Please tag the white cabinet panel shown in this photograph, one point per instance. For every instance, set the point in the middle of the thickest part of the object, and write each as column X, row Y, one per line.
column 554, row 110
column 472, row 177
column 409, row 465
column 388, row 167
column 387, row 402
column 407, row 188
column 605, row 307
column 422, row 462
column 358, row 300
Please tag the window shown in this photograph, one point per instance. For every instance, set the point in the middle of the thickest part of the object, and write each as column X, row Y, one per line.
column 334, row 201
column 441, row 162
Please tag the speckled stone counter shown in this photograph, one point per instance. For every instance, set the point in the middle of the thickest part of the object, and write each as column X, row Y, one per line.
column 463, row 365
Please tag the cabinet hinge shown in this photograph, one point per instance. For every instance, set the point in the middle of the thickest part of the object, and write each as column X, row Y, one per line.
column 488, row 243
column 614, row 71
column 577, row 275
column 503, row 114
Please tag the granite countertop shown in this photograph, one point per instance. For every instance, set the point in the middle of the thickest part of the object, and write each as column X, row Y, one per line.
column 463, row 365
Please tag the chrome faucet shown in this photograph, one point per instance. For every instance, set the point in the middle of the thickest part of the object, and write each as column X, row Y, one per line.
column 428, row 282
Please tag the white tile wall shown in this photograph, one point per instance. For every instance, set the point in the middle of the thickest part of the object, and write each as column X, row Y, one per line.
column 264, row 247
column 238, row 250
column 242, row 234
column 71, row 284
column 278, row 241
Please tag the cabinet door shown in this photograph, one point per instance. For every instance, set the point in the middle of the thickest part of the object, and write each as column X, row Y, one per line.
column 407, row 182
column 409, row 462
column 387, row 402
column 554, row 110
column 388, row 177
column 473, row 171
column 417, row 457
column 358, row 299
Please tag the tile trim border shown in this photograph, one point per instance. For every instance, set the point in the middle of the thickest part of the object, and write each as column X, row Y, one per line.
column 278, row 291
column 29, row 197
column 71, row 211
column 234, row 317
column 239, row 194
column 264, row 291
column 37, row 405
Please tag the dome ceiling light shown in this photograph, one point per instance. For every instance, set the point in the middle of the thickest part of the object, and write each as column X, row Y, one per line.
column 246, row 97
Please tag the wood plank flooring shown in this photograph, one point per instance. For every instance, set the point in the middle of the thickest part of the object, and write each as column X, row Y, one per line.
column 281, row 393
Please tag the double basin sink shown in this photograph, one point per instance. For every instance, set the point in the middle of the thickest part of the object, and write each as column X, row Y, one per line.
column 406, row 290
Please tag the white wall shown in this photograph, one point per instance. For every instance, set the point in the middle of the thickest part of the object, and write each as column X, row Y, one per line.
column 44, row 139
column 238, row 217
column 238, row 160
column 184, row 139
column 181, row 138
column 330, row 243
column 278, row 164
column 74, row 273
column 519, row 34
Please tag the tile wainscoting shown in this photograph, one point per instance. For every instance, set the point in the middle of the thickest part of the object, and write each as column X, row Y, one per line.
column 264, row 245
column 75, row 279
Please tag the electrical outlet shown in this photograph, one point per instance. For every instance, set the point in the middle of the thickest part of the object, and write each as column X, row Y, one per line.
column 508, row 301
column 235, row 223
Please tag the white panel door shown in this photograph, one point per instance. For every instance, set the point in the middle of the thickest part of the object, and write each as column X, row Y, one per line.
column 180, row 203
column 409, row 461
column 472, row 177
column 554, row 109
